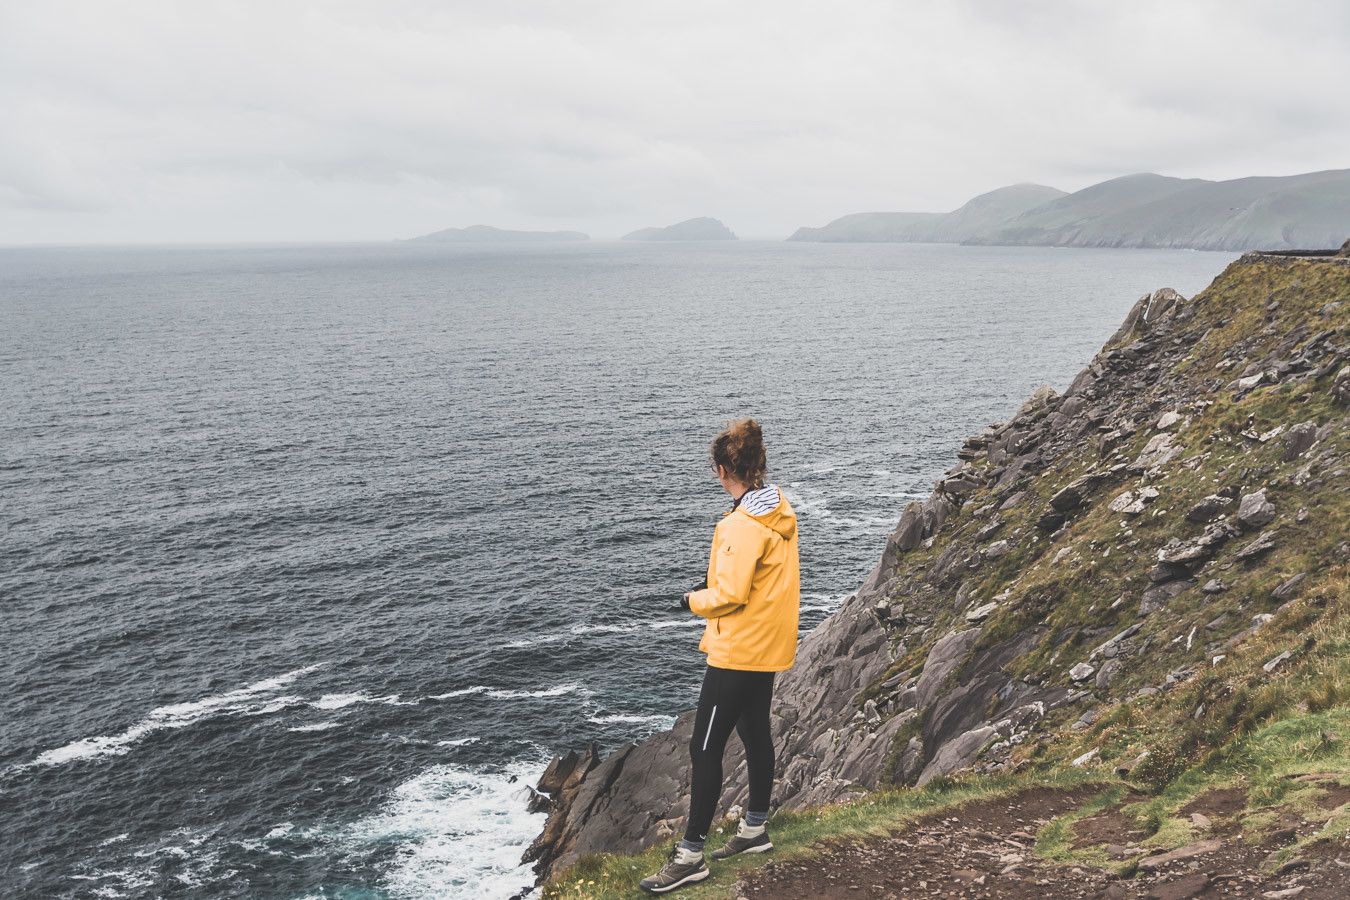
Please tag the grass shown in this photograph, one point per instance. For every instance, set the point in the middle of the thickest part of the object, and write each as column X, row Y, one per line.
column 1264, row 764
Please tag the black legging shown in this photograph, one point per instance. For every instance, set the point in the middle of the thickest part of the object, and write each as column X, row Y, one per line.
column 730, row 698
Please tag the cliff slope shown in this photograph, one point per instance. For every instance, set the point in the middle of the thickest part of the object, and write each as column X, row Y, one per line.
column 1120, row 578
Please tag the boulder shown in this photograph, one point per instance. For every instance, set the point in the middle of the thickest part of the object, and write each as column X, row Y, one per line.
column 1208, row 509
column 1289, row 587
column 1255, row 511
column 1161, row 449
column 957, row 753
column 1168, row 419
column 1298, row 440
column 1264, row 544
column 980, row 613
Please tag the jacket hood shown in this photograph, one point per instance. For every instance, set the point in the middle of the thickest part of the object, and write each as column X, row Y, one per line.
column 770, row 508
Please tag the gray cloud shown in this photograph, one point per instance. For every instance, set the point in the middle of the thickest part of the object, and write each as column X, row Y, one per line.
column 351, row 120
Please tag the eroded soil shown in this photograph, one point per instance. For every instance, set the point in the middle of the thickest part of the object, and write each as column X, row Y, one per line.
column 984, row 850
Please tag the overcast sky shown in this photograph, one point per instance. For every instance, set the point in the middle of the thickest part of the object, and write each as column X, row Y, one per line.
column 241, row 121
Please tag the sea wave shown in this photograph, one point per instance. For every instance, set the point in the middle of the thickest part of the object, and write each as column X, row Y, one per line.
column 658, row 721
column 509, row 694
column 459, row 833
column 177, row 715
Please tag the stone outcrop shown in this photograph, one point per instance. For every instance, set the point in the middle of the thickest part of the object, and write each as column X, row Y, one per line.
column 1040, row 577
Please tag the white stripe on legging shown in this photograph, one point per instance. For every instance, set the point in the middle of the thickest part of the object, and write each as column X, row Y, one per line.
column 710, row 721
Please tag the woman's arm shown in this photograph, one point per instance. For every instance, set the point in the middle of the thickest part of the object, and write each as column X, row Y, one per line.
column 735, row 556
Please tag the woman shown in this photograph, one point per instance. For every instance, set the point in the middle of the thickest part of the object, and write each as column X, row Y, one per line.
column 750, row 600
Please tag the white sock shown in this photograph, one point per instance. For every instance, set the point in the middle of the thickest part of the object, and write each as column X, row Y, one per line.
column 686, row 857
column 749, row 831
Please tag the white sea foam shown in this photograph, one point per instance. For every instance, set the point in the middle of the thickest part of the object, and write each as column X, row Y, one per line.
column 628, row 719
column 277, row 704
column 316, row 726
column 177, row 715
column 585, row 628
column 460, row 833
column 338, row 701
column 459, row 742
column 507, row 694
column 607, row 628
column 812, row 503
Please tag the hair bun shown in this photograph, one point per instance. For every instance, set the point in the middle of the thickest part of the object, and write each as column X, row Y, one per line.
column 740, row 450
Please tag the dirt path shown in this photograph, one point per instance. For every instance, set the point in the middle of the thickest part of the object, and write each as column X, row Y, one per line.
column 983, row 850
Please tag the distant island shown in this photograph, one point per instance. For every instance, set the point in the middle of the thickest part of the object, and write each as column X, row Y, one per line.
column 700, row 229
column 488, row 234
column 1145, row 210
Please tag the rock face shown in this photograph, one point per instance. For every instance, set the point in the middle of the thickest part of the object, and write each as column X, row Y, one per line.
column 1041, row 577
column 701, row 229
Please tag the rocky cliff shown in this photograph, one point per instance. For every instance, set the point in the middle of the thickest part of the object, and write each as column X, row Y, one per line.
column 1109, row 547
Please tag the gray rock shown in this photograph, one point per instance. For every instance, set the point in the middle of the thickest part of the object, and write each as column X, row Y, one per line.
column 1298, row 440
column 1289, row 587
column 1081, row 672
column 1158, row 596
column 1132, row 503
column 908, row 533
column 959, row 752
column 1051, row 520
column 1067, row 499
column 1108, row 672
column 1278, row 661
column 1255, row 511
column 1264, row 544
column 980, row 613
column 1168, row 419
column 946, row 655
column 1161, row 449
column 1208, row 508
column 1214, row 586
column 997, row 550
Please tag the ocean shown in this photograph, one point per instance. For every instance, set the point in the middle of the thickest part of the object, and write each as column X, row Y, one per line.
column 314, row 555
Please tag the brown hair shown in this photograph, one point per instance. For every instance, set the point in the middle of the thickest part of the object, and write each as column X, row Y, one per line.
column 740, row 450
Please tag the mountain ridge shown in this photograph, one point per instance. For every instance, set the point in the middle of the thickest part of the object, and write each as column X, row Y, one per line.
column 474, row 234
column 703, row 228
column 1139, row 210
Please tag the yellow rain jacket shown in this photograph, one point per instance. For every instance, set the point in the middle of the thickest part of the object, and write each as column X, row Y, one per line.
column 754, row 590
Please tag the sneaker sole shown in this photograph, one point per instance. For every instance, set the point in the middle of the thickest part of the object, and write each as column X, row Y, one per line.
column 688, row 879
column 759, row 848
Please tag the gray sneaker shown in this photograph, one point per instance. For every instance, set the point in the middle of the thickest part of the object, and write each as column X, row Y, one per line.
column 683, row 867
column 745, row 840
